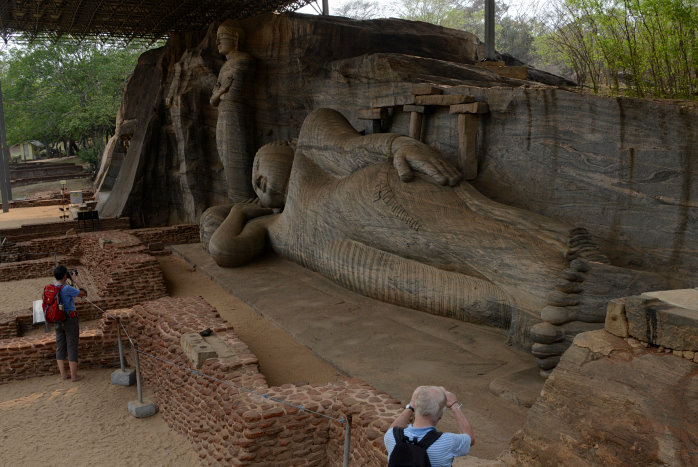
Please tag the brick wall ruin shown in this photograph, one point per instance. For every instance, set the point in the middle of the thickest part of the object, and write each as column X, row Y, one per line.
column 232, row 426
column 226, row 424
column 55, row 229
column 31, row 356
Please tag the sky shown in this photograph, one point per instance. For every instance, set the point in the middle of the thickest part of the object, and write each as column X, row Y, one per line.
column 525, row 7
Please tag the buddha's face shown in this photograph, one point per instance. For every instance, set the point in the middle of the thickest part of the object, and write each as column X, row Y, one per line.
column 270, row 174
column 227, row 42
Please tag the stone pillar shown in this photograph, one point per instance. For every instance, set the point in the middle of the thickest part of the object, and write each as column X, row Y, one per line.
column 468, row 124
column 416, row 113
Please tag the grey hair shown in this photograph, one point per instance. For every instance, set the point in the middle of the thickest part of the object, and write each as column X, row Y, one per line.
column 430, row 401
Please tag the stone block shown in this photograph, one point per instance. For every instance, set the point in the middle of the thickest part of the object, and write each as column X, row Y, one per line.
column 375, row 113
column 392, row 101
column 448, row 99
column 684, row 298
column 123, row 378
column 616, row 321
column 657, row 322
column 413, row 108
column 422, row 89
column 196, row 348
column 142, row 409
column 156, row 246
column 517, row 72
column 471, row 108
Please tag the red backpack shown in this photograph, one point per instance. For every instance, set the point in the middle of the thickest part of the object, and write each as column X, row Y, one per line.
column 53, row 313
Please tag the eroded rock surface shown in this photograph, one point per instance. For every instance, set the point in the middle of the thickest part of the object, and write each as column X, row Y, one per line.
column 613, row 401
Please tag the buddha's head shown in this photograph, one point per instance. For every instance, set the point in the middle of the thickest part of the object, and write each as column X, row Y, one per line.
column 271, row 171
column 229, row 37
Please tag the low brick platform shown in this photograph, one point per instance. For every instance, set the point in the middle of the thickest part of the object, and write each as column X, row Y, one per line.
column 232, row 426
column 27, row 357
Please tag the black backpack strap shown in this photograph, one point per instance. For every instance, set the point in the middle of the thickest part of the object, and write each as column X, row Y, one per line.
column 429, row 439
column 398, row 434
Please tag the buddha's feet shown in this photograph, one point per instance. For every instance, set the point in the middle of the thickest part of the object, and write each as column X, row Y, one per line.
column 579, row 300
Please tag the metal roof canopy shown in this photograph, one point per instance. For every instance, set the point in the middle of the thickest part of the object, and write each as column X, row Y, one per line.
column 149, row 19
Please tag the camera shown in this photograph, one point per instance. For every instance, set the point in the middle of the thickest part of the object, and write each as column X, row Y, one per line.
column 72, row 272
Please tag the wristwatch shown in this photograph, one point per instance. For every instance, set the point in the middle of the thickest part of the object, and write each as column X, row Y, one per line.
column 409, row 407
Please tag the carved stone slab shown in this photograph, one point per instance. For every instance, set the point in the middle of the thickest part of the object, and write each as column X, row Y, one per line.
column 653, row 320
column 196, row 348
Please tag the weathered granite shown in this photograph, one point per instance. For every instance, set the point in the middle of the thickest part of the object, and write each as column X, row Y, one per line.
column 616, row 321
column 657, row 321
column 587, row 160
column 610, row 403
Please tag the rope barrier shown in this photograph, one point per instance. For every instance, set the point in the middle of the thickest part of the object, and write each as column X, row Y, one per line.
column 212, row 378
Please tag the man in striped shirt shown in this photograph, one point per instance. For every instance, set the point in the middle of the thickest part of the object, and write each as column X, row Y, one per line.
column 428, row 405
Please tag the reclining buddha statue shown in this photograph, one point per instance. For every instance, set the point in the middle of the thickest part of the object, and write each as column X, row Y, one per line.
column 386, row 216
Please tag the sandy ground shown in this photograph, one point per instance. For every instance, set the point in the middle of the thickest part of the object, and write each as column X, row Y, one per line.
column 27, row 216
column 43, row 188
column 89, row 422
column 19, row 295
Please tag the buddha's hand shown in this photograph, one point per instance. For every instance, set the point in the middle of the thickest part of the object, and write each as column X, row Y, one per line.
column 418, row 157
column 252, row 208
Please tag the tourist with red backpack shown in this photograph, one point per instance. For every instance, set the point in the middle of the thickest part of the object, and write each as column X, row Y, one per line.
column 65, row 318
column 419, row 444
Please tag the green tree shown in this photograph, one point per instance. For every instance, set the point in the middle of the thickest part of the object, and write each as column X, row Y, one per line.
column 636, row 47
column 513, row 35
column 360, row 9
column 64, row 91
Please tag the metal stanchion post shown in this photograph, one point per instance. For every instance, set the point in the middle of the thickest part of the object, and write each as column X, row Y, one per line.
column 347, row 440
column 138, row 373
column 122, row 377
column 121, row 348
column 140, row 409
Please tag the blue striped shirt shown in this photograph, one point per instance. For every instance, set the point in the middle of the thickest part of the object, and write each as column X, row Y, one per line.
column 442, row 452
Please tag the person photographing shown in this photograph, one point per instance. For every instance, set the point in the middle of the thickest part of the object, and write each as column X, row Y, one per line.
column 420, row 443
column 68, row 331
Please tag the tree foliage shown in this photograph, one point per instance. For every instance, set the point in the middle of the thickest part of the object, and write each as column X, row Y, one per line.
column 640, row 47
column 64, row 90
column 360, row 9
column 514, row 33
